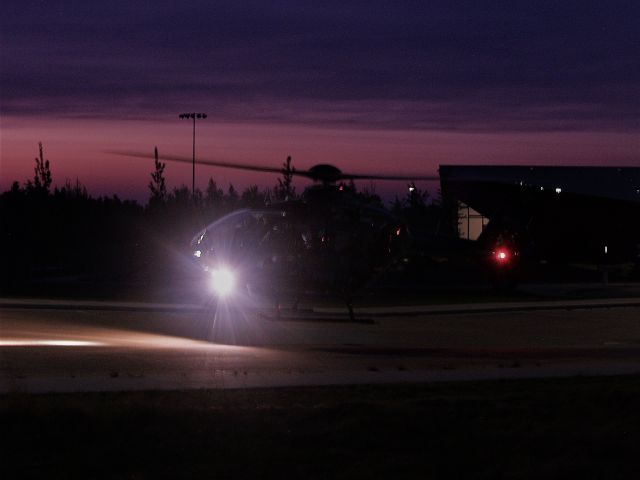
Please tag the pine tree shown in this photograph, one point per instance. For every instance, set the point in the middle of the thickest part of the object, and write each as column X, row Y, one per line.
column 416, row 198
column 285, row 188
column 251, row 197
column 42, row 176
column 214, row 195
column 157, row 185
column 232, row 197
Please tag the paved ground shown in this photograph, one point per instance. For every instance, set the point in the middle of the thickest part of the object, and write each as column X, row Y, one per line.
column 109, row 346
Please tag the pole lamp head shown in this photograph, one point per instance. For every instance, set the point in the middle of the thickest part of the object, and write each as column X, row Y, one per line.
column 192, row 115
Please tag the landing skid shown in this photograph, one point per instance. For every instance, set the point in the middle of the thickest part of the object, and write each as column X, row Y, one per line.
column 304, row 315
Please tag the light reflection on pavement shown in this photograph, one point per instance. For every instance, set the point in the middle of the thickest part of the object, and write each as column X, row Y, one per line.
column 87, row 350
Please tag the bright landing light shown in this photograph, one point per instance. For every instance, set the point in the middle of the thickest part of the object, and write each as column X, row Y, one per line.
column 222, row 281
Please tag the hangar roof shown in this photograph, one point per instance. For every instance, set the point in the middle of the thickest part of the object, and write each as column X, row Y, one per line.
column 618, row 183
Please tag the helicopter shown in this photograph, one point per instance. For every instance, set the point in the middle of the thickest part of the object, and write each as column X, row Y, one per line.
column 328, row 241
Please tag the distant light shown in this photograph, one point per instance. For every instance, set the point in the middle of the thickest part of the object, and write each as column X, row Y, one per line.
column 541, row 188
column 412, row 188
column 197, row 253
column 606, row 249
column 398, row 231
column 558, row 190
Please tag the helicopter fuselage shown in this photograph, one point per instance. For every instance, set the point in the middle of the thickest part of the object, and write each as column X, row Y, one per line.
column 302, row 245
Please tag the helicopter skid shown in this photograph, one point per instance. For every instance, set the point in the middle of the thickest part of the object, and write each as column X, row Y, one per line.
column 302, row 316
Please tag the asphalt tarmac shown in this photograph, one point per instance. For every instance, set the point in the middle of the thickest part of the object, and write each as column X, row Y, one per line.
column 49, row 346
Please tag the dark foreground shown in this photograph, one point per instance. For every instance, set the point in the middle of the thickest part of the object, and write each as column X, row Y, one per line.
column 568, row 428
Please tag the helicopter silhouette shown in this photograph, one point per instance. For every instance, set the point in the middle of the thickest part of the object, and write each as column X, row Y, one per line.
column 329, row 240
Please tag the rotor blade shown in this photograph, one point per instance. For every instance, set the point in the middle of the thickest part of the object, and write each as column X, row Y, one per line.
column 260, row 168
column 213, row 163
column 409, row 178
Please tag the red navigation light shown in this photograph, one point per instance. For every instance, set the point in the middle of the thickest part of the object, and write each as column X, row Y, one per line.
column 501, row 255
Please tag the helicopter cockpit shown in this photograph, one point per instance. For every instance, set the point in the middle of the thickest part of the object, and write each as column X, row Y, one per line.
column 250, row 245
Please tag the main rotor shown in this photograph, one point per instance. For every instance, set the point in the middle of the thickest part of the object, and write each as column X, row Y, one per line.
column 323, row 173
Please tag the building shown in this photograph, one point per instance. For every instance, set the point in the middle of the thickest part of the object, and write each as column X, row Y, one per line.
column 561, row 211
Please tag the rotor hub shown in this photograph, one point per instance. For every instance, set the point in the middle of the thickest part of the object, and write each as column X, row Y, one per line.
column 325, row 173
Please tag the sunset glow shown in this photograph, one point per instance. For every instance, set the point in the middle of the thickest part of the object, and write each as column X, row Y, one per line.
column 371, row 88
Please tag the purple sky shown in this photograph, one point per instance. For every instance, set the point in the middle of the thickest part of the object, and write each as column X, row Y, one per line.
column 387, row 86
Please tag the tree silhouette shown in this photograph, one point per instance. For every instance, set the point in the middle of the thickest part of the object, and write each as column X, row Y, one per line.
column 252, row 197
column 369, row 196
column 214, row 195
column 42, row 173
column 232, row 197
column 157, row 185
column 416, row 198
column 180, row 198
column 285, row 188
column 72, row 191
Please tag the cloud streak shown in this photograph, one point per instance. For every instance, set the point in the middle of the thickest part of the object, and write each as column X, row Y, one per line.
column 508, row 66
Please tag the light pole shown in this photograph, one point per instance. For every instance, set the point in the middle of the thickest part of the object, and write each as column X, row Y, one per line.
column 193, row 116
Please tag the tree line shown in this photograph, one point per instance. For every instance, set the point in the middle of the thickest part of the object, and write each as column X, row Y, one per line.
column 49, row 232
